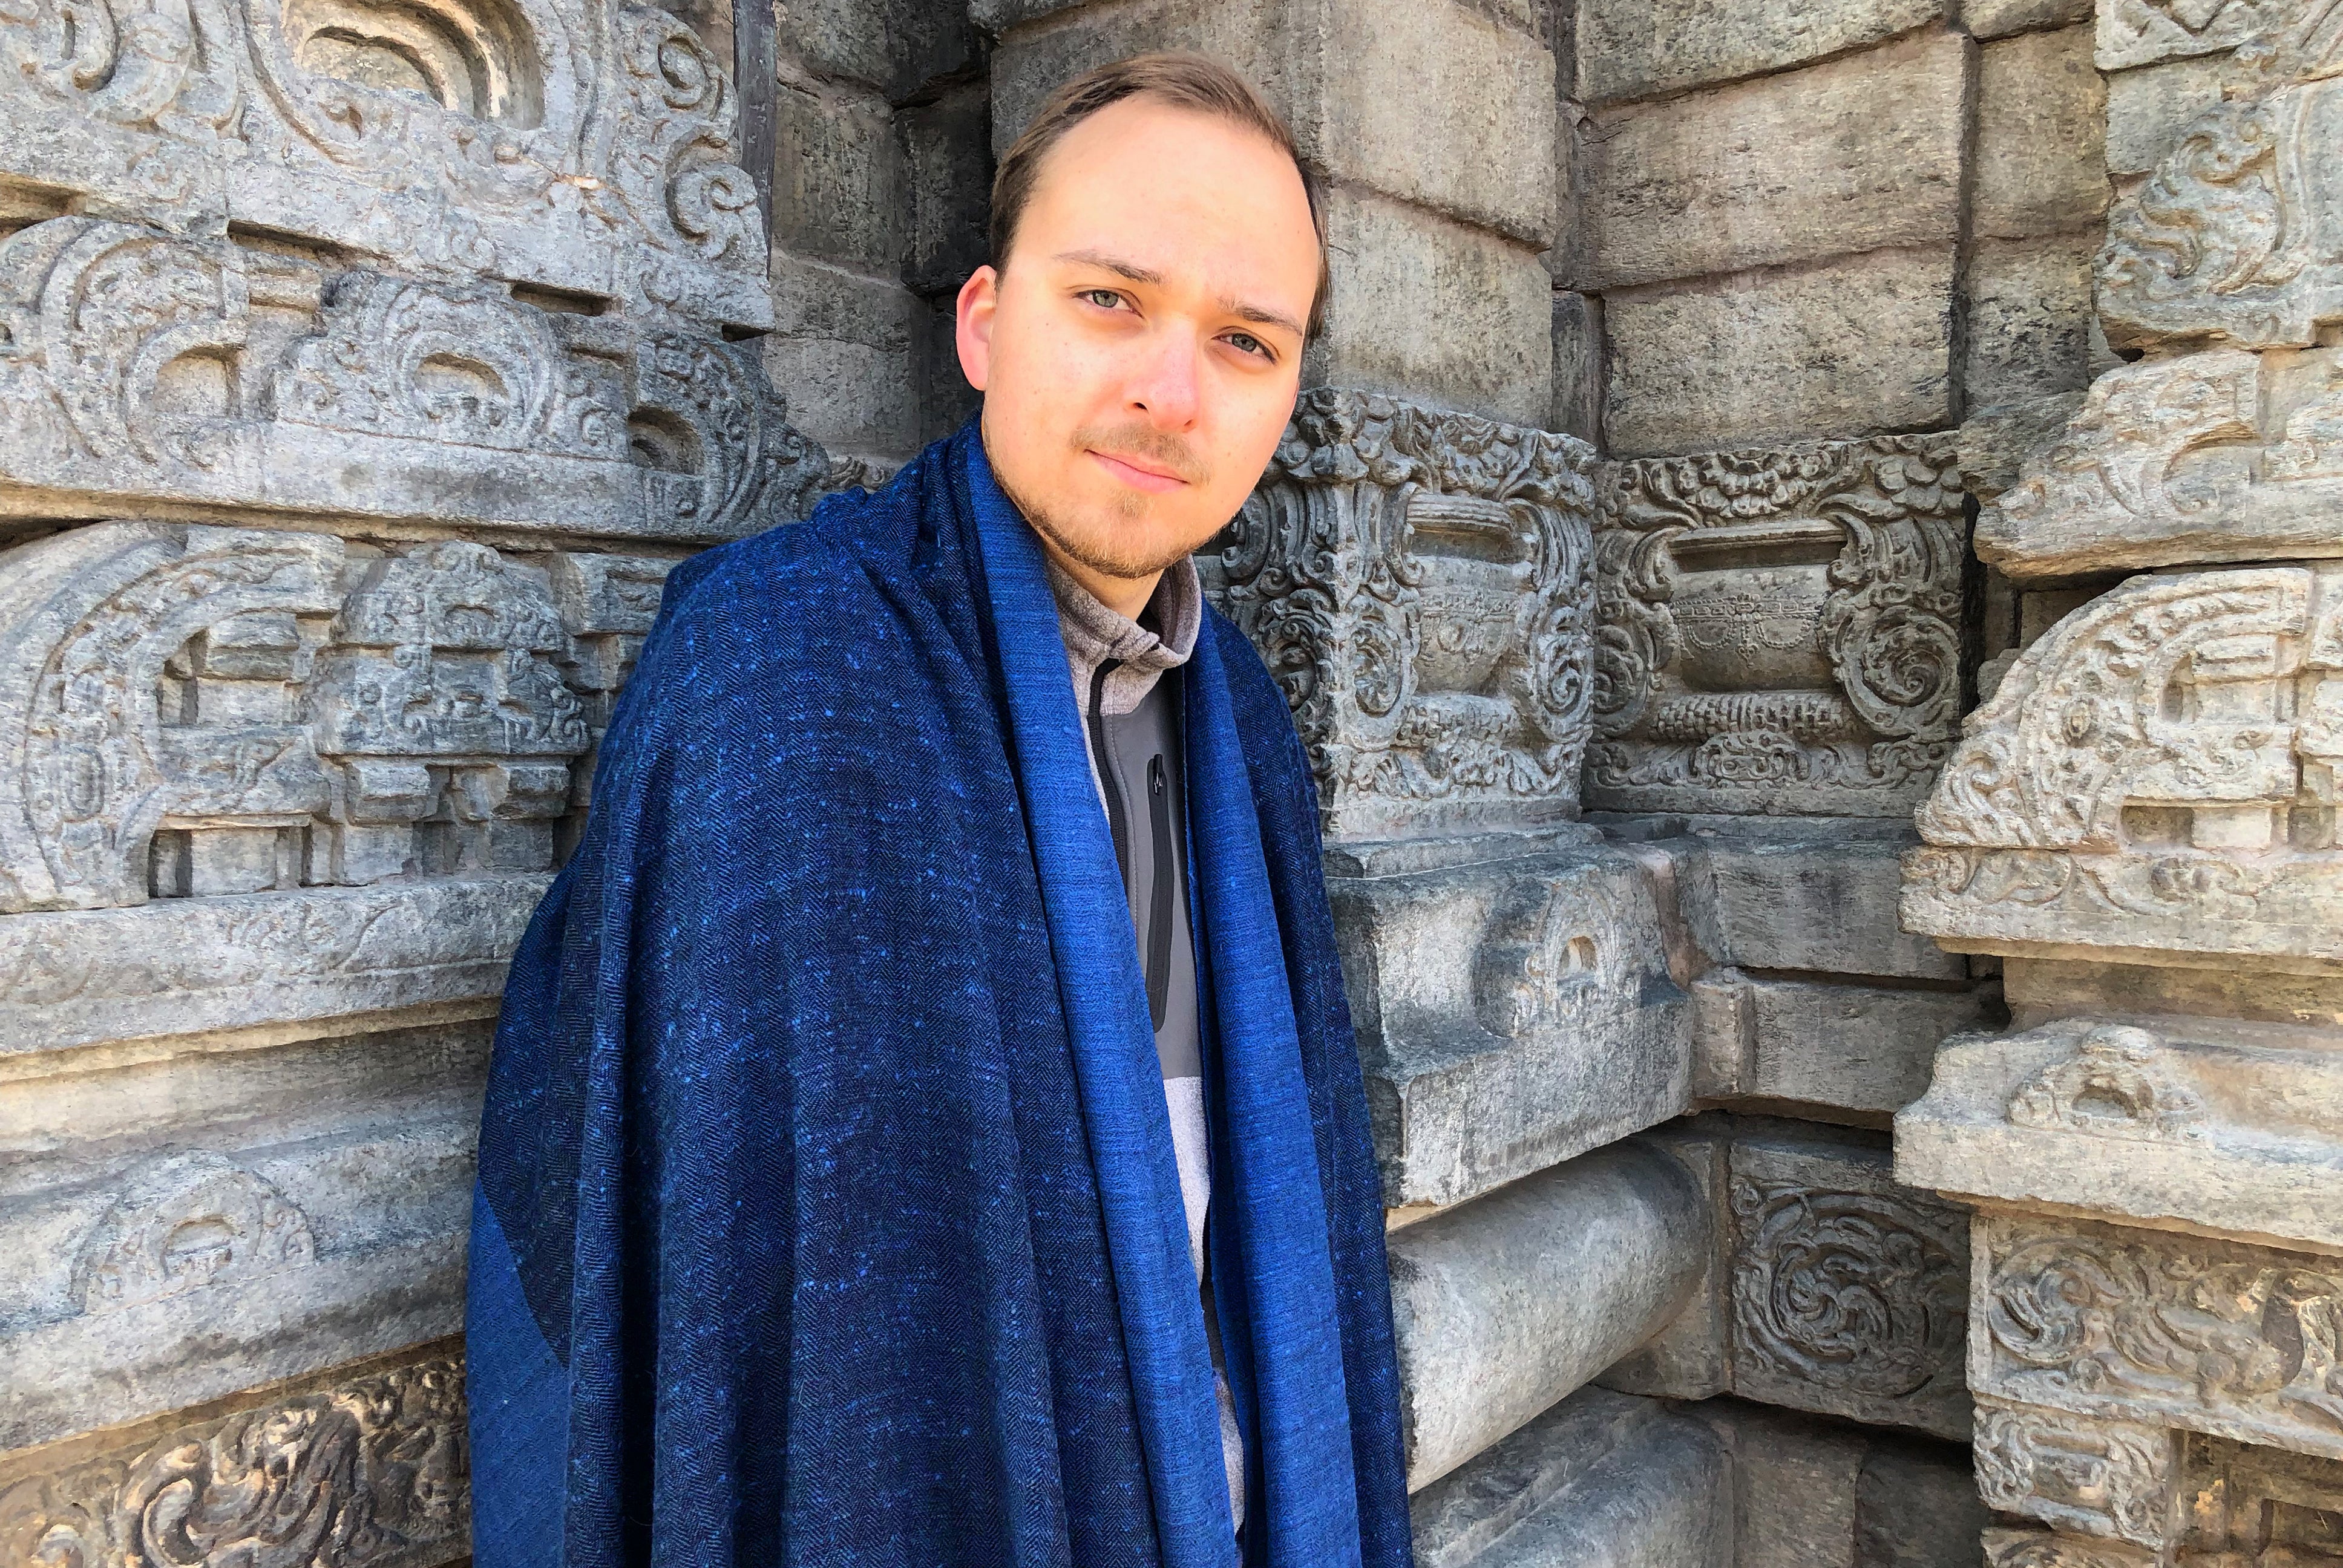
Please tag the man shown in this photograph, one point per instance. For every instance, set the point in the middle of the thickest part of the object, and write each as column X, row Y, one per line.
column 924, row 1126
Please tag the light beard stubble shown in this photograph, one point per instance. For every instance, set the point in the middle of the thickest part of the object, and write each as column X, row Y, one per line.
column 1099, row 554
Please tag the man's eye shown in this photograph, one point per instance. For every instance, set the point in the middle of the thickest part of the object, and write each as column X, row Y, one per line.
column 1106, row 298
column 1246, row 343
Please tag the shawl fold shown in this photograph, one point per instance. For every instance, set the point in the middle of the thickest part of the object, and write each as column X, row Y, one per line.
column 827, row 1209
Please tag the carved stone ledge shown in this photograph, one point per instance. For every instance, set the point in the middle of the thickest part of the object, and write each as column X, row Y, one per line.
column 2093, row 1477
column 1420, row 582
column 1835, row 1290
column 182, row 371
column 2134, row 33
column 1511, row 1013
column 2041, row 1548
column 1780, row 629
column 2211, row 457
column 2230, row 1127
column 2157, row 774
column 2160, row 1329
column 366, row 1470
column 585, row 146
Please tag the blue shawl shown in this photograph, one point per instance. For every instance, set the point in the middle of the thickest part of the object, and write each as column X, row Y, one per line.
column 827, row 1209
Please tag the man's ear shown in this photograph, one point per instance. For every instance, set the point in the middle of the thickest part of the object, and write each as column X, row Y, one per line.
column 980, row 296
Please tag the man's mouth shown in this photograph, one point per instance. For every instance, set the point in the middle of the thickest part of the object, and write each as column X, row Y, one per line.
column 1139, row 474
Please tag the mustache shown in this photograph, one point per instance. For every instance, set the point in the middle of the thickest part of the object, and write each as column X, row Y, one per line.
column 1153, row 447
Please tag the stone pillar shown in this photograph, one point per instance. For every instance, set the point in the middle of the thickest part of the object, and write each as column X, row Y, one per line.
column 2139, row 820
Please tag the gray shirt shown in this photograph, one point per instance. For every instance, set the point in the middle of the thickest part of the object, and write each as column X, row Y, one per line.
column 1131, row 725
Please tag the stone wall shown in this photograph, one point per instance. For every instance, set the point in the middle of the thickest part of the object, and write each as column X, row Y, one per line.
column 1716, row 463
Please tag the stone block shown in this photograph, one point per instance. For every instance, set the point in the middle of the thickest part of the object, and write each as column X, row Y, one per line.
column 1845, row 347
column 1998, row 437
column 179, row 374
column 844, row 344
column 951, row 177
column 1647, row 48
column 892, row 46
column 1834, row 1290
column 2151, row 809
column 1437, row 103
column 1846, row 1047
column 1999, row 18
column 1506, row 1304
column 2109, row 1479
column 2093, row 1320
column 1824, row 902
column 1667, row 1502
column 2038, row 991
column 1780, row 629
column 2041, row 148
column 2230, row 1126
column 840, row 186
column 1397, row 265
column 1860, row 154
column 2134, row 33
column 209, row 1223
column 2212, row 457
column 371, row 1453
column 2029, row 319
column 2192, row 257
column 2149, row 108
column 1917, row 1506
column 1419, row 581
column 1511, row 1013
column 1578, row 365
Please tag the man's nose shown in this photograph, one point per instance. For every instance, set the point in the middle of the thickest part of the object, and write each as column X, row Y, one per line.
column 1167, row 384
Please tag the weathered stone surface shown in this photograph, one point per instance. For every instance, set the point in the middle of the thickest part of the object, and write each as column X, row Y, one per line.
column 2154, row 774
column 1857, row 154
column 2258, row 1503
column 2040, row 1549
column 2159, row 1330
column 1506, row 1304
column 2149, row 108
column 363, row 1468
column 840, row 186
column 1642, row 48
column 1807, row 896
column 2029, row 319
column 1493, row 353
column 1845, row 347
column 1998, row 438
column 585, row 146
column 2238, row 237
column 848, row 345
column 1420, row 583
column 1837, row 1290
column 2212, row 457
column 2144, row 31
column 143, row 368
column 950, row 187
column 2091, row 1477
column 893, row 46
column 1998, row 18
column 2039, row 990
column 2233, row 1127
column 203, row 1223
column 1511, row 1014
column 1601, row 1477
column 1352, row 78
column 2040, row 158
column 1847, row 1046
column 1577, row 366
column 1779, row 629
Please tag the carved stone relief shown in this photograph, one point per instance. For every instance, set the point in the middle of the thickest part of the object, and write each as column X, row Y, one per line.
column 1420, row 582
column 2148, row 1327
column 2145, row 32
column 1780, row 630
column 585, row 146
column 138, row 364
column 279, row 716
column 2155, row 772
column 368, row 1472
column 2095, row 1477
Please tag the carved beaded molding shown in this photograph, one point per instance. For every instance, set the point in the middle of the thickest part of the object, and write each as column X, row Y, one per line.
column 371, row 1472
column 1420, row 582
column 2158, row 772
column 1780, row 630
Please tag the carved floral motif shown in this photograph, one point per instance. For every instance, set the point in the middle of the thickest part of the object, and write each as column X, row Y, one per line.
column 371, row 1471
column 1779, row 629
column 187, row 1221
column 2237, row 1340
column 1420, row 583
column 2097, row 1477
column 2118, row 1084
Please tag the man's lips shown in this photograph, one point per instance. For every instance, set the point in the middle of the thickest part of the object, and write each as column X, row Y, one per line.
column 1138, row 476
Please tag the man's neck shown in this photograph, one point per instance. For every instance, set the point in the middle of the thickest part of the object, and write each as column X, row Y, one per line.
column 1127, row 597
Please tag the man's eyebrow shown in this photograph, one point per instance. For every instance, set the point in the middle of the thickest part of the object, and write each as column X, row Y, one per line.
column 1260, row 315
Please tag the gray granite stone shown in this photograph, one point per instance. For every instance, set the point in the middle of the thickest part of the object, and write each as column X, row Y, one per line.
column 2029, row 319
column 1833, row 1045
column 1647, row 48
column 2041, row 148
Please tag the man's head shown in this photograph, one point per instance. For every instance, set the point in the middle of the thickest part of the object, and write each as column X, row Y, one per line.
column 1157, row 263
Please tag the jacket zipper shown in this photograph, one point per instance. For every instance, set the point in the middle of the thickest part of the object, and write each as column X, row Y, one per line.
column 1158, row 912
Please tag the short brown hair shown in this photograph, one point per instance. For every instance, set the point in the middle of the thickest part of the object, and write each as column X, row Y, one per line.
column 1186, row 80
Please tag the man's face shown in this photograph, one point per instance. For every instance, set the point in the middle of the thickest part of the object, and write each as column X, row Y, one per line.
column 1139, row 351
